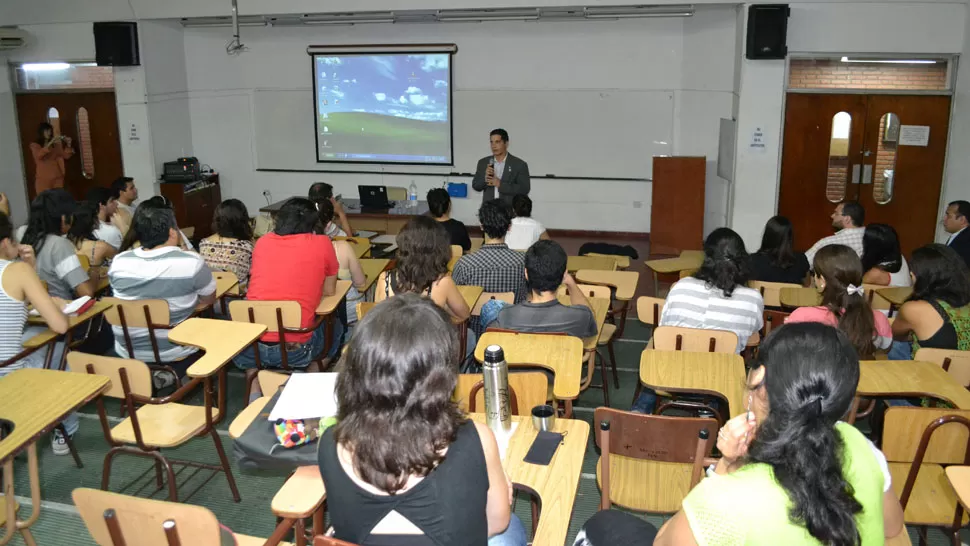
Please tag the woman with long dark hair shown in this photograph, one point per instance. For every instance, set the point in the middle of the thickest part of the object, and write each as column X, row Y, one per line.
column 937, row 315
column 717, row 296
column 792, row 472
column 49, row 152
column 82, row 236
column 776, row 260
column 48, row 221
column 424, row 248
column 882, row 260
column 230, row 247
column 402, row 465
column 838, row 276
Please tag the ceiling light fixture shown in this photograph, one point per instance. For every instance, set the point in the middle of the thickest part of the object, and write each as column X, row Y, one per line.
column 890, row 61
column 44, row 67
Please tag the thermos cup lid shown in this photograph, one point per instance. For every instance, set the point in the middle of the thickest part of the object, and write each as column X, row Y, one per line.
column 493, row 354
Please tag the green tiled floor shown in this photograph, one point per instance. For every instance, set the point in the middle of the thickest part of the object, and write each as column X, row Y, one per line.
column 60, row 525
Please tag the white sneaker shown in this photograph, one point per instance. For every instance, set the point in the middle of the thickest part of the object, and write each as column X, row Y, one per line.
column 162, row 379
column 59, row 444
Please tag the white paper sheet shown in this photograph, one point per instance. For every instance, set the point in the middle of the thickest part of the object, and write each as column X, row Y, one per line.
column 69, row 309
column 307, row 396
column 385, row 239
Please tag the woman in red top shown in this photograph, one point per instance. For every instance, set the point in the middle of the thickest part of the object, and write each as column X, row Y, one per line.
column 49, row 153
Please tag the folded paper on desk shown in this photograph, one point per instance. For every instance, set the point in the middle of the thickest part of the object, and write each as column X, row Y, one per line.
column 307, row 396
column 75, row 307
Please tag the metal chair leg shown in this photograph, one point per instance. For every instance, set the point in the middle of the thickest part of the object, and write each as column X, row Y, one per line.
column 616, row 377
column 225, row 465
column 70, row 446
column 106, row 468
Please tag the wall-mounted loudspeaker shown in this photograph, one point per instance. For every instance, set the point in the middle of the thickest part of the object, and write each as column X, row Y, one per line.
column 767, row 31
column 116, row 44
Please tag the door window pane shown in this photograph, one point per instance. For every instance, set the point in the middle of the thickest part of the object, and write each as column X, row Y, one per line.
column 838, row 172
column 54, row 118
column 883, row 180
column 84, row 142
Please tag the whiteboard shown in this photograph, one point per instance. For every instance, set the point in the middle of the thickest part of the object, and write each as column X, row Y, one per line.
column 572, row 133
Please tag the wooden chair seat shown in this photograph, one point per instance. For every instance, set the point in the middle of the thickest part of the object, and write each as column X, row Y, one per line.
column 647, row 486
column 531, row 389
column 606, row 334
column 167, row 425
column 933, row 501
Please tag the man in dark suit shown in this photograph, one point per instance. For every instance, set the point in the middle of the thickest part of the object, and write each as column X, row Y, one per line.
column 955, row 223
column 501, row 171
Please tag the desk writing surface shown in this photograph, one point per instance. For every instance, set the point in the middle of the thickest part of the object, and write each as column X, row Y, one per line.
column 471, row 294
column 555, row 483
column 35, row 400
column 604, row 263
column 676, row 265
column 224, row 283
column 562, row 355
column 600, row 307
column 46, row 336
column 799, row 297
column 221, row 340
column 908, row 378
column 682, row 371
column 625, row 282
column 329, row 303
column 896, row 295
column 959, row 477
column 372, row 269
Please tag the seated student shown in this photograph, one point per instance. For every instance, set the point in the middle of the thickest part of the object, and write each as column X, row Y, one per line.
column 838, row 277
column 292, row 263
column 545, row 270
column 882, row 260
column 848, row 221
column 717, row 296
column 955, row 223
column 495, row 267
column 230, row 247
column 82, row 236
column 403, row 465
column 439, row 205
column 776, row 260
column 123, row 189
column 107, row 206
column 524, row 230
column 157, row 202
column 159, row 269
column 350, row 269
column 791, row 471
column 49, row 219
column 423, row 252
column 20, row 285
column 937, row 315
column 321, row 191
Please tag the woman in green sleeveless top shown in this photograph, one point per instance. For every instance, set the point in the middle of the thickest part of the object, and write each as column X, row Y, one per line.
column 937, row 315
column 791, row 472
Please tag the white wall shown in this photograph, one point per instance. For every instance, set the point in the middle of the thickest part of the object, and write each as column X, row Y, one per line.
column 166, row 91
column 626, row 55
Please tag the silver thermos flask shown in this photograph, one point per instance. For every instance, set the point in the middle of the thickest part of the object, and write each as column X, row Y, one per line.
column 498, row 414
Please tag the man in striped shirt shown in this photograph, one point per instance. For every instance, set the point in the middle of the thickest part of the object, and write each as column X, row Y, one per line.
column 159, row 269
column 848, row 220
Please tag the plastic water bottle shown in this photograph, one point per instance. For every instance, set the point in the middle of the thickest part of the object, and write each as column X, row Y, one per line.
column 498, row 414
column 412, row 195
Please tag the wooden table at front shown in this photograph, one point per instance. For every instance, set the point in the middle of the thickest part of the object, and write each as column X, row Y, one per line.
column 556, row 483
column 33, row 402
column 908, row 379
column 685, row 262
column 388, row 221
column 717, row 374
column 799, row 297
column 73, row 322
column 221, row 340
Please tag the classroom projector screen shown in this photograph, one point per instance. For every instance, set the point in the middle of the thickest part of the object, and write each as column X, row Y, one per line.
column 383, row 108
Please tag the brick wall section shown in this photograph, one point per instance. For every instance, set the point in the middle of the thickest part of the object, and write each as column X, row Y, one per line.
column 82, row 144
column 833, row 74
column 885, row 159
column 838, row 177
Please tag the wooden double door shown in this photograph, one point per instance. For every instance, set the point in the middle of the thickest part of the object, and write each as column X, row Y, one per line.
column 90, row 118
column 885, row 151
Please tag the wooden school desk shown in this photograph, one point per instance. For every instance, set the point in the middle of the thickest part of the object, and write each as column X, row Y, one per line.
column 33, row 402
column 605, row 263
column 327, row 307
column 360, row 245
column 74, row 322
column 909, row 379
column 717, row 374
column 221, row 340
column 959, row 477
column 389, row 221
column 556, row 483
column 372, row 269
column 896, row 296
column 600, row 307
column 687, row 261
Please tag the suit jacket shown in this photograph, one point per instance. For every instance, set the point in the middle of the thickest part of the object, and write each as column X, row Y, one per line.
column 961, row 244
column 515, row 179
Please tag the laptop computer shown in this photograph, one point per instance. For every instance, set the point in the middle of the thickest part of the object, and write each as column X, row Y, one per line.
column 374, row 197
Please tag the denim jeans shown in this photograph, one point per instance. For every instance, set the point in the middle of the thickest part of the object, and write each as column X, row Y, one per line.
column 271, row 356
column 36, row 360
column 901, row 350
column 490, row 312
column 513, row 535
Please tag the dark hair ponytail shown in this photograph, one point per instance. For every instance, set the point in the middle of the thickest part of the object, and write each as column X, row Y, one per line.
column 811, row 374
column 841, row 267
column 47, row 212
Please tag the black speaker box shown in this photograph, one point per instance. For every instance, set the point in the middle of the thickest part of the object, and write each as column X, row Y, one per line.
column 767, row 31
column 116, row 44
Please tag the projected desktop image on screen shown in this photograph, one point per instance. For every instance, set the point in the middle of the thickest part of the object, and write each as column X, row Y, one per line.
column 383, row 108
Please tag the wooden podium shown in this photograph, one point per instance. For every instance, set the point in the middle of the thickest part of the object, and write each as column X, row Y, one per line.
column 677, row 208
column 194, row 203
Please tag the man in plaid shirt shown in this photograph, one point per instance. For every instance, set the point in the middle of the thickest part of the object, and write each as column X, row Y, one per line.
column 848, row 220
column 495, row 267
